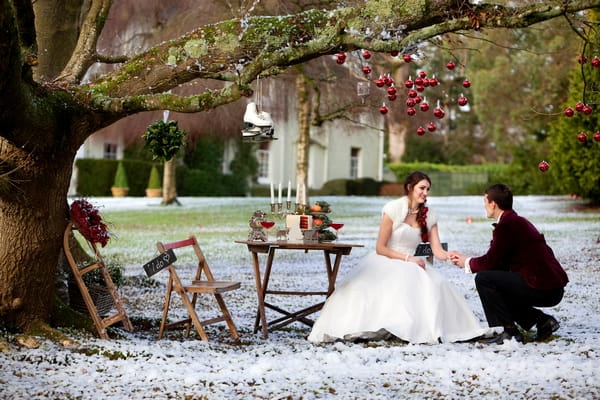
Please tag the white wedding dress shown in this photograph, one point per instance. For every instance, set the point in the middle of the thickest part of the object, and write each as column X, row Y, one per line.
column 384, row 296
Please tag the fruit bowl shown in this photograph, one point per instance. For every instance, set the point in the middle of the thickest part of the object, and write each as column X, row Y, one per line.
column 320, row 207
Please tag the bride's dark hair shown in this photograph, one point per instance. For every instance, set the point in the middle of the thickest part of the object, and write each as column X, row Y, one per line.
column 409, row 183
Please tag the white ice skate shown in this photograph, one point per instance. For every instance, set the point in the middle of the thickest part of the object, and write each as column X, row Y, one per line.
column 257, row 124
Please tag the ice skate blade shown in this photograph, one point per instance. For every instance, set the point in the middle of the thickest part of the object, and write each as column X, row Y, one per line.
column 256, row 136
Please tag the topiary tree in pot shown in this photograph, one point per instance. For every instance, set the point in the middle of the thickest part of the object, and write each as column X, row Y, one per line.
column 154, row 188
column 120, row 186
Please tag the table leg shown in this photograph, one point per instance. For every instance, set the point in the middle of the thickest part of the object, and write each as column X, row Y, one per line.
column 332, row 271
column 260, row 314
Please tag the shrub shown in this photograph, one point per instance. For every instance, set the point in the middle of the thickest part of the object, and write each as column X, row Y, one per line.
column 154, row 179
column 121, row 177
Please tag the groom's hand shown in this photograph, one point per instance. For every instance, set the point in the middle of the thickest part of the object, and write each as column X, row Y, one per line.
column 458, row 259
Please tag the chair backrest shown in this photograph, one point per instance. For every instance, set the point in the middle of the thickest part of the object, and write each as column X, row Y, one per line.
column 192, row 242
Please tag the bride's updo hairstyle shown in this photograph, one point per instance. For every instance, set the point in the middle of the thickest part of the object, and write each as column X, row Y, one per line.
column 409, row 183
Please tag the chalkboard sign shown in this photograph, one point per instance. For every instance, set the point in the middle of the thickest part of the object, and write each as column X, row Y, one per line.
column 159, row 263
column 424, row 249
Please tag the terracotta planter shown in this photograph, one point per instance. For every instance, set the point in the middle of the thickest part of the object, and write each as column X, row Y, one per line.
column 154, row 192
column 119, row 192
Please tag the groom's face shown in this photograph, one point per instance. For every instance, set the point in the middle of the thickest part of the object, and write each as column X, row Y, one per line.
column 490, row 207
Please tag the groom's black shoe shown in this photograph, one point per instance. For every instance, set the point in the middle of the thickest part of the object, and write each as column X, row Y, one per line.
column 508, row 334
column 545, row 327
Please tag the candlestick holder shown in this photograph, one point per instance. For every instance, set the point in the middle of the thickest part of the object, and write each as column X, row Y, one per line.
column 279, row 214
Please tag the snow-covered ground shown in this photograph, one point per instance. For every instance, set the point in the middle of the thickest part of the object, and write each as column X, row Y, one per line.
column 286, row 366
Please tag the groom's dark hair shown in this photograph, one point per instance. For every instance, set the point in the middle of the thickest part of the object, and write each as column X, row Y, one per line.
column 500, row 194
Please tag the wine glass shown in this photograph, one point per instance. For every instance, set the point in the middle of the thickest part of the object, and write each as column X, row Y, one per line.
column 267, row 225
column 337, row 226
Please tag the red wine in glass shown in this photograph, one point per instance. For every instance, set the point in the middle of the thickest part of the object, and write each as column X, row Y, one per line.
column 267, row 224
column 336, row 225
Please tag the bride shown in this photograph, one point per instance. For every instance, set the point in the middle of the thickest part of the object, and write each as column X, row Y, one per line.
column 392, row 292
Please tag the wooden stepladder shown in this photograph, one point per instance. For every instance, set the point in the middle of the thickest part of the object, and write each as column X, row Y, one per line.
column 96, row 264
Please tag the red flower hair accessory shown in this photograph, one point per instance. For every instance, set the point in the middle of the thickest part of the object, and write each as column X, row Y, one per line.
column 422, row 219
column 89, row 222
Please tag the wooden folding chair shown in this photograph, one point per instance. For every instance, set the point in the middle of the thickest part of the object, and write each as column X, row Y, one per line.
column 200, row 285
column 97, row 263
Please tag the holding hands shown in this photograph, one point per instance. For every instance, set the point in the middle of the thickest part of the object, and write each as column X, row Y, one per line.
column 457, row 258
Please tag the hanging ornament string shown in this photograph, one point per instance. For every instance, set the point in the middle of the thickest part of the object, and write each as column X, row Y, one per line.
column 259, row 93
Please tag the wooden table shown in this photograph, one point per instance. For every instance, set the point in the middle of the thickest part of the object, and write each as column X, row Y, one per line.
column 262, row 284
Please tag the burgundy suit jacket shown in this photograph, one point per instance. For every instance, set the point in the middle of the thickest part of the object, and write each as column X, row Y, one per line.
column 517, row 246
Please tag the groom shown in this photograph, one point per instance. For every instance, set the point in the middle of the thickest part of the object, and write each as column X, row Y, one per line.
column 518, row 272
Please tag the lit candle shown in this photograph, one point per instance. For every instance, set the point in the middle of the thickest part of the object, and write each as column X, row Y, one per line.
column 297, row 193
column 289, row 198
column 279, row 197
column 272, row 194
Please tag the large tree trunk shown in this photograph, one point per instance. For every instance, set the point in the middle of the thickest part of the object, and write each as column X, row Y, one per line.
column 33, row 218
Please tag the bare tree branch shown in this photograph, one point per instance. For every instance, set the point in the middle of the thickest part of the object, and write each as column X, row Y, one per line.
column 84, row 54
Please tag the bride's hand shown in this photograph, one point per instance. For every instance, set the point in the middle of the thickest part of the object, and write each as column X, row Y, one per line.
column 417, row 260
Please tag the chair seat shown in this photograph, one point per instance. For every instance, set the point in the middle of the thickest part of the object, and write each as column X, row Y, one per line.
column 211, row 286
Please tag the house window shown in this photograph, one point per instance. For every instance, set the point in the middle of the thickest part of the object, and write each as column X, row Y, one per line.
column 110, row 151
column 354, row 162
column 262, row 155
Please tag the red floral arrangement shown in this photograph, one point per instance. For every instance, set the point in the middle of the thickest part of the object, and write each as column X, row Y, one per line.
column 89, row 222
column 422, row 219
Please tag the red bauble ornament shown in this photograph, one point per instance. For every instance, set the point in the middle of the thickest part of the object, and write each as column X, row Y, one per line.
column 412, row 93
column 408, row 83
column 422, row 74
column 433, row 82
column 582, row 137
column 424, row 106
column 418, row 99
column 569, row 112
column 420, row 88
column 587, row 110
column 394, row 53
column 462, row 101
column 431, row 127
column 596, row 62
column 410, row 102
column 439, row 113
column 597, row 136
column 579, row 107
column 420, row 131
column 450, row 65
column 366, row 70
column 392, row 96
column 411, row 111
column 366, row 54
column 407, row 58
column 392, row 90
column 389, row 81
column 383, row 109
column 543, row 166
column 380, row 82
column 419, row 81
column 466, row 83
column 341, row 58
column 582, row 59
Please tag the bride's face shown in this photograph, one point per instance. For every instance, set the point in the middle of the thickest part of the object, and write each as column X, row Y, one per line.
column 420, row 192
